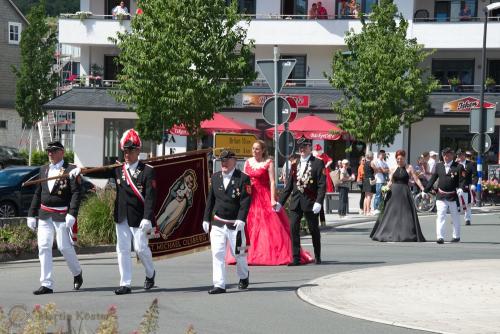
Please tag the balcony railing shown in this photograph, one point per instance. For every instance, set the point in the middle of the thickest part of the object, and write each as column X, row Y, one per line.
column 89, row 15
column 454, row 19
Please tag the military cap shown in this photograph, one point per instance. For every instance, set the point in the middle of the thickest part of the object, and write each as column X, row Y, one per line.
column 54, row 146
column 226, row 154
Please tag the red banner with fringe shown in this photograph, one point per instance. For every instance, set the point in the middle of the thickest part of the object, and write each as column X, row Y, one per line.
column 181, row 192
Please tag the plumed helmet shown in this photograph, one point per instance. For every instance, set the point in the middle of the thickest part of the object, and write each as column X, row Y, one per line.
column 130, row 140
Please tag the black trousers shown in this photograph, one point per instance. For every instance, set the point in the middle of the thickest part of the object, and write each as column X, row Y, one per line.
column 343, row 200
column 362, row 197
column 313, row 225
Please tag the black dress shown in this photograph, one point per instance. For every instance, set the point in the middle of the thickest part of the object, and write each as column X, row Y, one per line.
column 399, row 220
column 369, row 175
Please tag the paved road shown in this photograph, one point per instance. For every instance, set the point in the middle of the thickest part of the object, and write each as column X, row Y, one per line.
column 271, row 305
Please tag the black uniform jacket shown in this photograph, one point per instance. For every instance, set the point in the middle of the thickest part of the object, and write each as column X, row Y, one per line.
column 231, row 203
column 448, row 182
column 65, row 193
column 471, row 174
column 127, row 204
column 314, row 190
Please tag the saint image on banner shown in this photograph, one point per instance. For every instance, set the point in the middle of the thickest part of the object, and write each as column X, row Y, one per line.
column 177, row 203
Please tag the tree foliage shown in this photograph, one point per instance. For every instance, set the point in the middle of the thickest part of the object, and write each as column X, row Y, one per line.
column 183, row 61
column 381, row 77
column 36, row 81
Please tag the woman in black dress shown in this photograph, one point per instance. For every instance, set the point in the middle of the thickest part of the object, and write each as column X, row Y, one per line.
column 399, row 220
column 368, row 187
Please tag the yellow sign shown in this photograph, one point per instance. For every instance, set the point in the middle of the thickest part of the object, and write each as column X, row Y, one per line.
column 240, row 144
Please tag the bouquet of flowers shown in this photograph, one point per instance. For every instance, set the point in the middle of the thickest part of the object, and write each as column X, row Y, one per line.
column 491, row 186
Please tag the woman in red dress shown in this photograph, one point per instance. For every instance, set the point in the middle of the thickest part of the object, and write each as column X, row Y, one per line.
column 268, row 231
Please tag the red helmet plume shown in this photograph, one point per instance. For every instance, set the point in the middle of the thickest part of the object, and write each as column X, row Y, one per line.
column 130, row 140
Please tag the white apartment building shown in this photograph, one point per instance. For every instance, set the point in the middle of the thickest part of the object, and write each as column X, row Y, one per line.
column 437, row 24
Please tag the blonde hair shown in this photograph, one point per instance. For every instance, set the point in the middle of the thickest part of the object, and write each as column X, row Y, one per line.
column 263, row 147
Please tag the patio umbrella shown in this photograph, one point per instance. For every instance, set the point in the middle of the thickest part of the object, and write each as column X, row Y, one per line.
column 219, row 123
column 311, row 127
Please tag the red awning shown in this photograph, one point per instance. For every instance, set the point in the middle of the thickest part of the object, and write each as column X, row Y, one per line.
column 311, row 127
column 219, row 123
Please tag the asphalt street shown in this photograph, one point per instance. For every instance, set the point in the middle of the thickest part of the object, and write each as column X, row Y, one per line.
column 271, row 305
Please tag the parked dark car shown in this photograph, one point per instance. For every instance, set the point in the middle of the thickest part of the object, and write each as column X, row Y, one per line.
column 10, row 156
column 15, row 200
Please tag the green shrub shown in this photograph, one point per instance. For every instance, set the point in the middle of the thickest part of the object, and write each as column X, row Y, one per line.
column 39, row 158
column 96, row 225
column 17, row 239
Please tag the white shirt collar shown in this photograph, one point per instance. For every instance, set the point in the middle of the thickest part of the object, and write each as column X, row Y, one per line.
column 305, row 159
column 133, row 166
column 230, row 174
column 57, row 165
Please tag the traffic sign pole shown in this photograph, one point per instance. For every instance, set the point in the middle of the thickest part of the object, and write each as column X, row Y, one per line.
column 276, row 59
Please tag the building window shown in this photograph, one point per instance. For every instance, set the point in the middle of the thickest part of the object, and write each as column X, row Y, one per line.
column 345, row 9
column 247, row 7
column 294, row 7
column 298, row 75
column 494, row 70
column 445, row 69
column 3, row 125
column 14, row 32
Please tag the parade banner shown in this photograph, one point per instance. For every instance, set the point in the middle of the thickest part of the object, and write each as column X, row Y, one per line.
column 181, row 192
column 257, row 100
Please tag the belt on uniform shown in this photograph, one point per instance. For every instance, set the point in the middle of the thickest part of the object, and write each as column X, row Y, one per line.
column 220, row 222
column 61, row 210
column 446, row 192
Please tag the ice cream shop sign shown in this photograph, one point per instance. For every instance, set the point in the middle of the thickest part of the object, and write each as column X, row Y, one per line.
column 465, row 105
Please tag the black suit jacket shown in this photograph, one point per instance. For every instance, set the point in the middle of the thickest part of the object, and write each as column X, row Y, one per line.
column 127, row 204
column 471, row 174
column 231, row 203
column 314, row 190
column 448, row 182
column 66, row 192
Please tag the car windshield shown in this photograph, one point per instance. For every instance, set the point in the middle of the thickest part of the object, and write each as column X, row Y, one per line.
column 11, row 177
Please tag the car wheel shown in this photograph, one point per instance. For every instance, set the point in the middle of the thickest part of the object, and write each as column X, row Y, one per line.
column 7, row 210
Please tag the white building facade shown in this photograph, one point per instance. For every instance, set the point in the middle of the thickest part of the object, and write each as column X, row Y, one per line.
column 437, row 24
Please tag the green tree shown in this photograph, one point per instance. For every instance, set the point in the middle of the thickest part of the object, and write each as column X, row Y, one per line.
column 182, row 62
column 53, row 8
column 36, row 81
column 381, row 77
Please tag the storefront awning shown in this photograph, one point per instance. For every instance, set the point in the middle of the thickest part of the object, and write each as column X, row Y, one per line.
column 219, row 123
column 311, row 127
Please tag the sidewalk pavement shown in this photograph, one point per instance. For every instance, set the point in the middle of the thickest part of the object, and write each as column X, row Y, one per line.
column 354, row 217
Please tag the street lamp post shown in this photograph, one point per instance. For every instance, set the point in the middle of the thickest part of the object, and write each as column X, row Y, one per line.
column 482, row 117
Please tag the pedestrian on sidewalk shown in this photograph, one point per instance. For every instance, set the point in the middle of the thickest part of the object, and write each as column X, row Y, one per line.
column 381, row 169
column 368, row 183
column 359, row 179
column 451, row 180
column 56, row 204
column 345, row 183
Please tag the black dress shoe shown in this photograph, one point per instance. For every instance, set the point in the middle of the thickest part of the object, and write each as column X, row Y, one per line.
column 77, row 281
column 467, row 222
column 455, row 240
column 150, row 282
column 440, row 241
column 216, row 290
column 123, row 290
column 243, row 284
column 294, row 263
column 43, row 290
column 318, row 260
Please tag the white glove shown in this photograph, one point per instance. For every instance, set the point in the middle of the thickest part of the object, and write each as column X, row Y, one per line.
column 316, row 208
column 473, row 187
column 206, row 227
column 239, row 225
column 146, row 225
column 460, row 192
column 31, row 222
column 277, row 207
column 74, row 172
column 70, row 221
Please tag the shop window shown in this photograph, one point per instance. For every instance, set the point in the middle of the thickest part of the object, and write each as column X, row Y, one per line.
column 494, row 70
column 445, row 69
column 14, row 32
column 3, row 125
column 247, row 7
column 298, row 75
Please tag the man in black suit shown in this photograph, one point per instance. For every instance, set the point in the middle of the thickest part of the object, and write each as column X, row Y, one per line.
column 228, row 200
column 469, row 185
column 451, row 182
column 134, row 210
column 307, row 185
column 56, row 204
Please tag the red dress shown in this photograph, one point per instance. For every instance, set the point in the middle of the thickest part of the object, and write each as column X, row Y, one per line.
column 329, row 184
column 268, row 231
